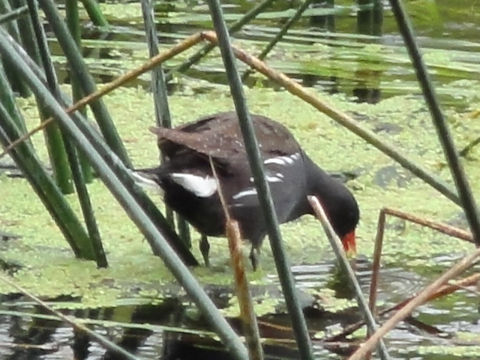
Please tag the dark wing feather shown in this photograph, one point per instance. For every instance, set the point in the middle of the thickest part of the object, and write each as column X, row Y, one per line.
column 219, row 136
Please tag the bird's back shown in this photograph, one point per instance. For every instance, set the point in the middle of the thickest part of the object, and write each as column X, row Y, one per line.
column 219, row 136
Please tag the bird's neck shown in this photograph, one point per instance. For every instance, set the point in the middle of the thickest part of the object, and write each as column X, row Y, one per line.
column 322, row 185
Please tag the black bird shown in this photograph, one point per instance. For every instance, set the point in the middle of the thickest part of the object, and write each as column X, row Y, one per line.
column 190, row 187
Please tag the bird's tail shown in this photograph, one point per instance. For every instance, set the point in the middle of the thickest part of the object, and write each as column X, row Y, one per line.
column 148, row 179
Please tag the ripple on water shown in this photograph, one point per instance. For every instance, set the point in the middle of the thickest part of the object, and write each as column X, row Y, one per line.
column 394, row 283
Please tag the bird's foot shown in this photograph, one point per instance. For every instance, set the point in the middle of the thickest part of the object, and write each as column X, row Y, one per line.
column 254, row 257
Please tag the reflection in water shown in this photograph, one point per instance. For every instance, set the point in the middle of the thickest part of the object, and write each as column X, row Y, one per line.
column 355, row 49
column 327, row 22
column 323, row 24
column 176, row 348
column 171, row 331
column 34, row 332
column 369, row 22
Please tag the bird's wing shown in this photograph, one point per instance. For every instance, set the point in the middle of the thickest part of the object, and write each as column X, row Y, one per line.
column 219, row 136
column 275, row 139
column 219, row 145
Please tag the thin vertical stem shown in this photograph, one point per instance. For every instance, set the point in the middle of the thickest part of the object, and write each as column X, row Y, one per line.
column 376, row 261
column 377, row 254
column 280, row 34
column 7, row 98
column 365, row 16
column 160, row 98
column 419, row 299
column 134, row 210
column 83, row 196
column 35, row 44
column 99, row 144
column 247, row 311
column 377, row 26
column 77, row 65
column 45, row 188
column 26, row 33
column 265, row 197
column 13, row 15
column 73, row 23
column 342, row 258
column 443, row 132
column 12, row 28
column 341, row 118
column 236, row 26
column 94, row 12
column 86, row 205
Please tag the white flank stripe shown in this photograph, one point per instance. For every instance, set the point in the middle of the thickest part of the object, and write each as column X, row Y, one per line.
column 283, row 160
column 200, row 186
column 248, row 192
column 276, row 160
column 289, row 159
column 273, row 179
column 276, row 178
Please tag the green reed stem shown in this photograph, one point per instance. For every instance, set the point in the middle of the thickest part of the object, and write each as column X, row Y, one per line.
column 78, row 66
column 279, row 35
column 12, row 28
column 73, row 23
column 117, row 166
column 237, row 25
column 95, row 13
column 251, row 144
column 337, row 247
column 37, row 49
column 160, row 98
column 71, row 151
column 465, row 193
column 134, row 210
column 7, row 98
column 45, row 188
column 13, row 15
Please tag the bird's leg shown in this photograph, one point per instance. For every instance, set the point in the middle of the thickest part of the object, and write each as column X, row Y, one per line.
column 254, row 257
column 205, row 249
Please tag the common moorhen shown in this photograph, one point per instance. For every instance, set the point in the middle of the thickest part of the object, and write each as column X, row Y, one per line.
column 190, row 187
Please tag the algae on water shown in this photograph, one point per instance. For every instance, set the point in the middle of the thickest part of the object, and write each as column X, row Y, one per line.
column 49, row 268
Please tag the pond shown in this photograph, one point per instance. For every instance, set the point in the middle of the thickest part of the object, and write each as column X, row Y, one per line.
column 360, row 66
column 336, row 54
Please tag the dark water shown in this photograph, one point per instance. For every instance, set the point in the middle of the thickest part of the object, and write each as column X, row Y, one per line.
column 359, row 53
column 168, row 331
column 334, row 54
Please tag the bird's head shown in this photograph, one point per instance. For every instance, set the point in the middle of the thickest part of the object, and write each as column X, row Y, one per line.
column 344, row 216
column 338, row 203
column 342, row 211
